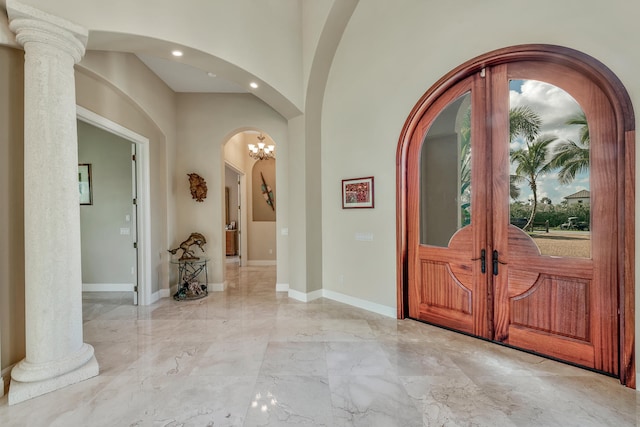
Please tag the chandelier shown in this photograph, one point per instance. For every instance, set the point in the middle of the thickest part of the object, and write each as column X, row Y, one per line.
column 261, row 151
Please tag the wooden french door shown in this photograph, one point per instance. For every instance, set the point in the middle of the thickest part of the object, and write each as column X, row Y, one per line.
column 469, row 267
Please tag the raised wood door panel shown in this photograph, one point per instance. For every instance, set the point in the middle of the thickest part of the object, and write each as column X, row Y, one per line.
column 446, row 275
column 447, row 283
column 548, row 303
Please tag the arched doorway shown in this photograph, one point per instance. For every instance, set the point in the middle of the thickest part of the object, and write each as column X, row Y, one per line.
column 255, row 223
column 463, row 262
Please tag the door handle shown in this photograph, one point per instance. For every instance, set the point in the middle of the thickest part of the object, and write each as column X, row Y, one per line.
column 495, row 260
column 483, row 261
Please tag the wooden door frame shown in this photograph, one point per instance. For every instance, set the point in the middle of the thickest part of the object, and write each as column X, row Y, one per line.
column 617, row 95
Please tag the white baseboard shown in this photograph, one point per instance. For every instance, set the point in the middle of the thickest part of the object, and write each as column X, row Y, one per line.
column 345, row 299
column 360, row 303
column 217, row 287
column 261, row 263
column 156, row 296
column 305, row 297
column 107, row 287
column 282, row 287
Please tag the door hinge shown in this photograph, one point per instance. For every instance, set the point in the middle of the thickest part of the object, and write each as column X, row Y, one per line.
column 135, row 201
column 133, row 157
column 135, row 245
column 135, row 289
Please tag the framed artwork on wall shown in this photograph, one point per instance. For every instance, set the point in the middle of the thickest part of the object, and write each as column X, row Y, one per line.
column 84, row 184
column 357, row 193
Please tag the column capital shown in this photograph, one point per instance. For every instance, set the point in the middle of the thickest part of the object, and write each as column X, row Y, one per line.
column 33, row 25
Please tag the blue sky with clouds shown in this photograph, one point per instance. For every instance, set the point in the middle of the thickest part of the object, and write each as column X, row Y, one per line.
column 554, row 106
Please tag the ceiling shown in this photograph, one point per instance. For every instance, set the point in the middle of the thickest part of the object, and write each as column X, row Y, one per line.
column 191, row 74
column 181, row 77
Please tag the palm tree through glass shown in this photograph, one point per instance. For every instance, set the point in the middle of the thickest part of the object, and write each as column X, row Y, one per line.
column 549, row 153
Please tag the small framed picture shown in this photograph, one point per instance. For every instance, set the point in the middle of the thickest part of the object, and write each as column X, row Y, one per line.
column 357, row 193
column 84, row 184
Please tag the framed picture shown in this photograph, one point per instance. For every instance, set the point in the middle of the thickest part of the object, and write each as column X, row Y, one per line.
column 357, row 193
column 84, row 184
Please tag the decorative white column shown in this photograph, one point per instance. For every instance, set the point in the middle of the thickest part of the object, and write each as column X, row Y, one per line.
column 55, row 353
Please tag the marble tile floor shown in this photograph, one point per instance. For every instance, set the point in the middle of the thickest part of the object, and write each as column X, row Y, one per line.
column 249, row 356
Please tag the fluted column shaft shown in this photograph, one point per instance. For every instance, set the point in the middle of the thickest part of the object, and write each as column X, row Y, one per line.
column 55, row 353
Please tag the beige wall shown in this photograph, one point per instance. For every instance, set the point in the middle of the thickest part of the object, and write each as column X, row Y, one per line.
column 235, row 156
column 390, row 54
column 143, row 104
column 132, row 96
column 12, row 328
column 259, row 241
column 231, row 182
column 206, row 122
column 314, row 18
column 102, row 221
column 262, row 224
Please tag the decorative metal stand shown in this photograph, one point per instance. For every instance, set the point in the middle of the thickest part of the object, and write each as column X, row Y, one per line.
column 189, row 271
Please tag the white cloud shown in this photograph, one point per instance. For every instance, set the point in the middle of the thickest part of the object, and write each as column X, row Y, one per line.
column 555, row 107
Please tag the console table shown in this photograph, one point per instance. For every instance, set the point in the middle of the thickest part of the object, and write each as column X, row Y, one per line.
column 193, row 278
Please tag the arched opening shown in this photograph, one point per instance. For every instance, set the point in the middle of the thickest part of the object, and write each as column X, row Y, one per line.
column 250, row 220
column 487, row 277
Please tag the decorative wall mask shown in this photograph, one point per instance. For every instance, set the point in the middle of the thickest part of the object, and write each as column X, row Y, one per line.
column 198, row 187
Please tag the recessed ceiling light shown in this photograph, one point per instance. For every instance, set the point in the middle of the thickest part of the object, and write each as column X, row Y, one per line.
column 254, row 85
column 210, row 74
column 176, row 53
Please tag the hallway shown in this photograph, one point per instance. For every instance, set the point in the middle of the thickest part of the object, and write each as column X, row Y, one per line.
column 250, row 357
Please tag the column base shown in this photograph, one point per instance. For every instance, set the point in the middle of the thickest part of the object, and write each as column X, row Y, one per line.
column 21, row 391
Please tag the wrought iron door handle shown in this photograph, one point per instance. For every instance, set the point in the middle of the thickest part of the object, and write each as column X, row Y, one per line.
column 483, row 261
column 496, row 261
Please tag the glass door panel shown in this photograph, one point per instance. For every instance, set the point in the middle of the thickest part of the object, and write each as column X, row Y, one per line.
column 445, row 174
column 549, row 168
